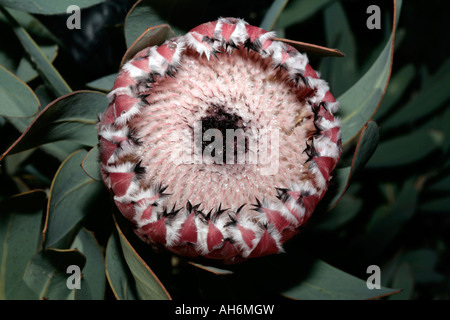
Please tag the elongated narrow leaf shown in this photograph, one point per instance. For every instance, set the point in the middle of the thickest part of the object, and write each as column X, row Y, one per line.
column 94, row 271
column 437, row 205
column 365, row 148
column 308, row 278
column 70, row 118
column 20, row 225
column 214, row 270
column 46, row 275
column 403, row 278
column 25, row 69
column 405, row 149
column 46, row 6
column 424, row 264
column 434, row 94
column 313, row 48
column 91, row 164
column 119, row 276
column 72, row 197
column 17, row 99
column 141, row 17
column 340, row 73
column 299, row 10
column 104, row 83
column 325, row 282
column 360, row 102
column 41, row 63
column 272, row 15
column 147, row 284
column 397, row 86
column 31, row 24
column 387, row 222
column 343, row 212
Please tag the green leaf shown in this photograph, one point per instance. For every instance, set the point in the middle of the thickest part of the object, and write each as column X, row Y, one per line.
column 94, row 271
column 423, row 263
column 343, row 212
column 430, row 98
column 359, row 103
column 31, row 24
column 70, row 118
column 72, row 195
column 340, row 183
column 25, row 69
column 214, row 270
column 312, row 48
column 18, row 100
column 307, row 278
column 48, row 73
column 365, row 147
column 271, row 17
column 339, row 35
column 61, row 149
column 148, row 285
column 20, row 226
column 12, row 56
column 403, row 278
column 437, row 205
column 104, row 83
column 46, row 6
column 119, row 276
column 46, row 275
column 442, row 184
column 300, row 10
column 405, row 149
column 140, row 19
column 387, row 221
column 91, row 164
column 397, row 86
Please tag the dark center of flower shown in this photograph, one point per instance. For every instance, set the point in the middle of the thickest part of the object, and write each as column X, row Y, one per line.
column 224, row 138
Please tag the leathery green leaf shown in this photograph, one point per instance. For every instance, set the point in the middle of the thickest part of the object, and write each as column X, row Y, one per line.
column 148, row 285
column 40, row 62
column 360, row 102
column 405, row 149
column 47, row 274
column 397, row 86
column 72, row 195
column 214, row 270
column 432, row 96
column 299, row 10
column 104, row 83
column 91, row 164
column 18, row 100
column 20, row 226
column 308, row 278
column 70, row 118
column 365, row 148
column 119, row 276
column 94, row 271
column 140, row 19
column 404, row 279
column 25, row 69
column 46, row 6
column 324, row 281
column 271, row 17
column 339, row 35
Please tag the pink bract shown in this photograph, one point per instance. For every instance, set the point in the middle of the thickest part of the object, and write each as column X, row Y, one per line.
column 224, row 74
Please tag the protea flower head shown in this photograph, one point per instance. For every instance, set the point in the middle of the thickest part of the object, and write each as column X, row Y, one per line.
column 219, row 143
